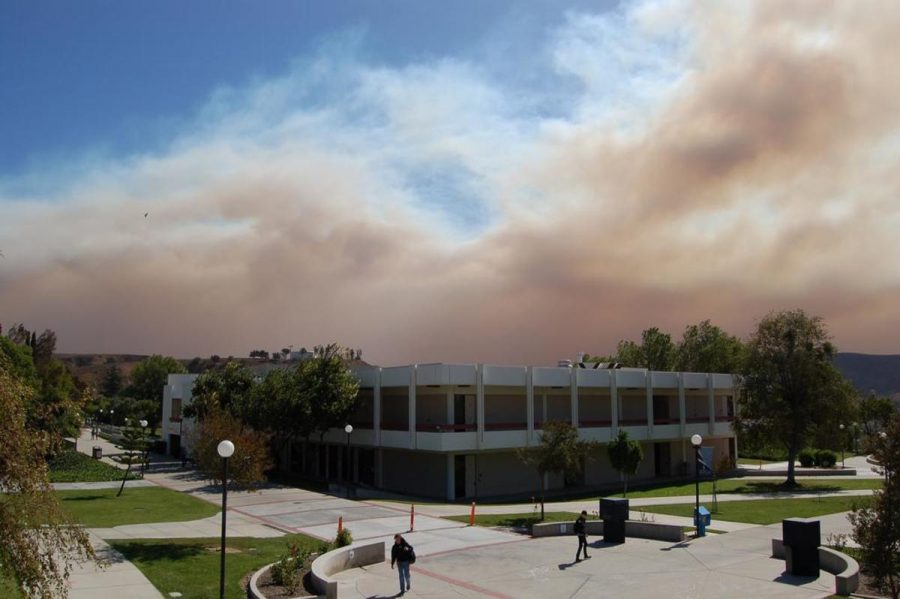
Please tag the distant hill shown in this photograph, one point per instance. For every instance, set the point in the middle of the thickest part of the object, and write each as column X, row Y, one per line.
column 869, row 372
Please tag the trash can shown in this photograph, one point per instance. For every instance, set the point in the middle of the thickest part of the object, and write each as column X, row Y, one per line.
column 802, row 537
column 97, row 452
column 614, row 513
column 702, row 519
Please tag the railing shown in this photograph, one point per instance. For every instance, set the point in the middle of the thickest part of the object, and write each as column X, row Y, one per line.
column 363, row 425
column 666, row 421
column 724, row 418
column 505, row 426
column 394, row 425
column 696, row 419
column 594, row 423
column 445, row 428
column 633, row 421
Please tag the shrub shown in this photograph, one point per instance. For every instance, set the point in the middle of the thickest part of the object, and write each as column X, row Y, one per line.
column 288, row 571
column 825, row 458
column 343, row 538
column 807, row 458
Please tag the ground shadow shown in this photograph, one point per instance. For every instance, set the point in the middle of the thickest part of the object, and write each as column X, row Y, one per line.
column 150, row 552
column 786, row 578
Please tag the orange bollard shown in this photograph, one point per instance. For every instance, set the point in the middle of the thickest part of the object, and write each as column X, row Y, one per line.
column 472, row 515
column 340, row 524
column 412, row 517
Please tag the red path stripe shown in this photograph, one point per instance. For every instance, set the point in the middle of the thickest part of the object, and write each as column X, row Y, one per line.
column 460, row 583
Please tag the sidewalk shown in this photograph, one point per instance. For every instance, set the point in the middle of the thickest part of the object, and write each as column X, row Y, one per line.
column 118, row 578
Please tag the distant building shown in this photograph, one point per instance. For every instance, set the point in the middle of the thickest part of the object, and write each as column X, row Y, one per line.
column 451, row 431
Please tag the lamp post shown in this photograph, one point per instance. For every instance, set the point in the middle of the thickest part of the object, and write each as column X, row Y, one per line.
column 887, row 475
column 144, row 449
column 225, row 450
column 843, row 443
column 696, row 440
column 348, row 429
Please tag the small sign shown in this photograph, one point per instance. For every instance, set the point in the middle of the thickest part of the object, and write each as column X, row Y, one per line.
column 562, row 528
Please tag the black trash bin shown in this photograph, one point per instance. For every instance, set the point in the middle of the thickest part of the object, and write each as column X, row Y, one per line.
column 614, row 512
column 802, row 537
column 97, row 452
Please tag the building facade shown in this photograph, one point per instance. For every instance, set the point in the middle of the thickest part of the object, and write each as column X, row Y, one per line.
column 452, row 431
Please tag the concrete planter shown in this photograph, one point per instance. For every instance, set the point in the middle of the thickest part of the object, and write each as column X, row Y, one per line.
column 253, row 591
column 338, row 560
column 844, row 567
column 633, row 528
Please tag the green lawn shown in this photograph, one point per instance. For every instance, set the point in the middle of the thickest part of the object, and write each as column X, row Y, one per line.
column 72, row 466
column 523, row 520
column 766, row 511
column 8, row 588
column 191, row 566
column 102, row 509
column 750, row 485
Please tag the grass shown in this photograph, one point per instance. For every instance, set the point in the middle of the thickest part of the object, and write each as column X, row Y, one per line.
column 71, row 466
column 101, row 508
column 766, row 511
column 8, row 588
column 523, row 520
column 744, row 485
column 191, row 566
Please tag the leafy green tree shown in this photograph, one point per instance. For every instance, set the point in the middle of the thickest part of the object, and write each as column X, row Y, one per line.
column 790, row 384
column 625, row 456
column 284, row 401
column 40, row 543
column 877, row 528
column 136, row 444
column 705, row 347
column 148, row 379
column 333, row 389
column 875, row 412
column 230, row 389
column 112, row 382
column 655, row 352
column 560, row 450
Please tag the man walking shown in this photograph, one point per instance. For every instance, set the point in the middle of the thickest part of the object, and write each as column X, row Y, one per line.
column 403, row 555
column 581, row 530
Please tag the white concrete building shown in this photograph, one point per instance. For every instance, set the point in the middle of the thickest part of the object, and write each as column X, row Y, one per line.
column 451, row 431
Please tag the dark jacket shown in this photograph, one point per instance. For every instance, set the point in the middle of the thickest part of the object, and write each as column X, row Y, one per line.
column 579, row 527
column 402, row 552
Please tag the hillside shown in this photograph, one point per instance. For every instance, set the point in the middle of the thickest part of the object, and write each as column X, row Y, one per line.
column 870, row 372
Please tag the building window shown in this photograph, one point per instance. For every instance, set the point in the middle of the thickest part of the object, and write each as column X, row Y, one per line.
column 176, row 410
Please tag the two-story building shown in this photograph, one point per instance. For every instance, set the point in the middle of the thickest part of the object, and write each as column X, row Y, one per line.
column 452, row 431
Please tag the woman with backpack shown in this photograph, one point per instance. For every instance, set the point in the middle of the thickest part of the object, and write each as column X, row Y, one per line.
column 403, row 555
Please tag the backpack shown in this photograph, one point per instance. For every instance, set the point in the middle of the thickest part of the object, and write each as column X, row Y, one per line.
column 412, row 555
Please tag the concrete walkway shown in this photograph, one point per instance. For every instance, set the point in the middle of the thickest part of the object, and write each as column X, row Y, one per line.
column 106, row 484
column 735, row 565
column 117, row 578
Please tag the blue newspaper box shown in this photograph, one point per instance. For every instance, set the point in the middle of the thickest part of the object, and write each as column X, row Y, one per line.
column 702, row 519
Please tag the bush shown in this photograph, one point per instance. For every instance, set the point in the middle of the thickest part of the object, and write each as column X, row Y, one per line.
column 343, row 538
column 807, row 458
column 71, row 466
column 288, row 571
column 825, row 458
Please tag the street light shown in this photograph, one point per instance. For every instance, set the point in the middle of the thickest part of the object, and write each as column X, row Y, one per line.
column 348, row 429
column 887, row 477
column 843, row 442
column 225, row 450
column 696, row 440
column 144, row 448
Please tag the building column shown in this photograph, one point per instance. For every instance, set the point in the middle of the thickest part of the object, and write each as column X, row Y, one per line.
column 614, row 402
column 649, row 387
column 376, row 418
column 451, row 477
column 379, row 468
column 479, row 405
column 711, row 403
column 451, row 414
column 529, row 403
column 412, row 407
column 573, row 395
column 682, row 406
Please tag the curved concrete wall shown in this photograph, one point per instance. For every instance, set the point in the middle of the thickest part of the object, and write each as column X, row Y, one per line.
column 633, row 528
column 338, row 560
column 844, row 567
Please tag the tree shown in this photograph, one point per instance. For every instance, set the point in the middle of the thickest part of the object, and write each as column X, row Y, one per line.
column 259, row 353
column 251, row 458
column 136, row 445
column 655, row 352
column 230, row 389
column 790, row 384
column 625, row 456
column 40, row 543
column 112, row 383
column 560, row 450
column 875, row 413
column 705, row 347
column 333, row 389
column 148, row 379
column 284, row 402
column 877, row 528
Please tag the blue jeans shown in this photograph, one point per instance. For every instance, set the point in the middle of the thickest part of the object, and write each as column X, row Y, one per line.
column 403, row 570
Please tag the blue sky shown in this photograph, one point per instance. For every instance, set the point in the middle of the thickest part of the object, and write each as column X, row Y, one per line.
column 498, row 180
column 114, row 77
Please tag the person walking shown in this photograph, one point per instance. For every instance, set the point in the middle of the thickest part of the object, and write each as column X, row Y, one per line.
column 581, row 530
column 403, row 555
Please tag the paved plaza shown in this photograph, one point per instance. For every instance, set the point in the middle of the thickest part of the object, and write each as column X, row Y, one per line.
column 732, row 565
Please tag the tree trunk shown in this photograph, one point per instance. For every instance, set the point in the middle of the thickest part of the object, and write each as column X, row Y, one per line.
column 625, row 489
column 542, row 497
column 124, row 478
column 792, row 455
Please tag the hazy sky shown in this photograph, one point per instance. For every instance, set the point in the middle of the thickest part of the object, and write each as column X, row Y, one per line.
column 500, row 181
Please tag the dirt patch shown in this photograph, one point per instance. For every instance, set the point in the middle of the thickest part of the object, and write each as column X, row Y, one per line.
column 216, row 549
column 274, row 591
